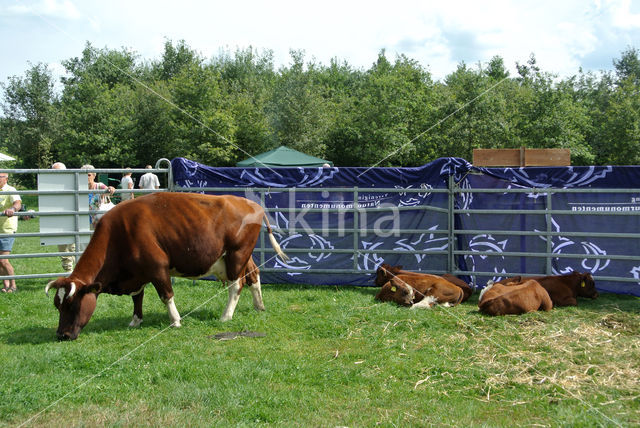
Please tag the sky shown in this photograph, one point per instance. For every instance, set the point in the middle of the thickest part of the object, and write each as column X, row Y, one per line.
column 563, row 35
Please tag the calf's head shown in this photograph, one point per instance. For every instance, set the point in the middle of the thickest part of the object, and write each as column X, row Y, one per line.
column 385, row 273
column 76, row 302
column 396, row 291
column 587, row 286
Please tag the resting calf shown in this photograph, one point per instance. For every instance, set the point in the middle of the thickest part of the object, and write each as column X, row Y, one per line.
column 528, row 296
column 417, row 291
column 563, row 289
column 384, row 269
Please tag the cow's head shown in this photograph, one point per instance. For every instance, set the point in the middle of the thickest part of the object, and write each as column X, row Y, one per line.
column 396, row 291
column 76, row 302
column 385, row 273
column 587, row 286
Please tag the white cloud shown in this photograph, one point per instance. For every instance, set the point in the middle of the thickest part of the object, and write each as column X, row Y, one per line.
column 563, row 35
column 64, row 9
column 622, row 17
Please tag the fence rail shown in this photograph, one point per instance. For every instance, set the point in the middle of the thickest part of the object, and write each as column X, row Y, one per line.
column 456, row 247
column 162, row 168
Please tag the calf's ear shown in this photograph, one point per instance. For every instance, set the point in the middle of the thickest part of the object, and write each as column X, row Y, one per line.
column 96, row 288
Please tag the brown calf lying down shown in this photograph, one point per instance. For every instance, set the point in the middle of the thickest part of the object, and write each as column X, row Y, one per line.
column 563, row 289
column 381, row 276
column 417, row 291
column 528, row 296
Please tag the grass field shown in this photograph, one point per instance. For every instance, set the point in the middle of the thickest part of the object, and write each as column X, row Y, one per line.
column 331, row 356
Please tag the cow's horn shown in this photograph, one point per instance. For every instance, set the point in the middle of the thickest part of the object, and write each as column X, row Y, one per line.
column 72, row 291
column 46, row 289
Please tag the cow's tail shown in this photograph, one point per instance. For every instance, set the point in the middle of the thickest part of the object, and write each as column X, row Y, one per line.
column 273, row 241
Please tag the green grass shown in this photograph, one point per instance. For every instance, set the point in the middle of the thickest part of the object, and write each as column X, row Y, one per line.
column 332, row 356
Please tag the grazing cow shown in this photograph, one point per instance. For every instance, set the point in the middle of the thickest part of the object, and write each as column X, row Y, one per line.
column 528, row 296
column 416, row 291
column 563, row 289
column 381, row 276
column 154, row 237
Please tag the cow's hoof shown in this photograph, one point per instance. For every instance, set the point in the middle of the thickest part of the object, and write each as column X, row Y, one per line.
column 135, row 322
column 225, row 318
column 259, row 308
column 176, row 324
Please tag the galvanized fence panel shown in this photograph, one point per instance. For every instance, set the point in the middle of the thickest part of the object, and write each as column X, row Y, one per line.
column 554, row 254
column 456, row 251
column 162, row 168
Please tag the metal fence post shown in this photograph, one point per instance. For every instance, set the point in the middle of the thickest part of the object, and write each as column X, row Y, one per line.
column 549, row 221
column 356, row 226
column 451, row 225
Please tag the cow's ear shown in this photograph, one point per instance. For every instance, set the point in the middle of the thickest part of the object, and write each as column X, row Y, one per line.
column 584, row 278
column 96, row 288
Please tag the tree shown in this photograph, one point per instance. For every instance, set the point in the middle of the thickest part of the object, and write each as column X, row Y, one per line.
column 299, row 112
column 247, row 84
column 628, row 66
column 388, row 106
column 97, row 109
column 174, row 60
column 110, row 67
column 30, row 107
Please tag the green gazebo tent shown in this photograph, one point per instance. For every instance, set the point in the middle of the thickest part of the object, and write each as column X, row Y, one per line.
column 283, row 157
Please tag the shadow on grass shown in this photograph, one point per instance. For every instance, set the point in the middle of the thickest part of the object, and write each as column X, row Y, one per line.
column 41, row 335
column 336, row 288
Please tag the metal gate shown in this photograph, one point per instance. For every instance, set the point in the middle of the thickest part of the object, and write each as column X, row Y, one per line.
column 544, row 247
column 79, row 193
column 553, row 250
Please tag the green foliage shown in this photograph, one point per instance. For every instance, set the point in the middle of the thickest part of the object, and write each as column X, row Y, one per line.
column 32, row 117
column 115, row 111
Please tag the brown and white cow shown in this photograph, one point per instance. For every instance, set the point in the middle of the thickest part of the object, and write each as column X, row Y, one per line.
column 417, row 291
column 528, row 296
column 381, row 276
column 154, row 237
column 563, row 289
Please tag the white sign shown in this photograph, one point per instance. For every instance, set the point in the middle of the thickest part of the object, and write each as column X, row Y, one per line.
column 62, row 204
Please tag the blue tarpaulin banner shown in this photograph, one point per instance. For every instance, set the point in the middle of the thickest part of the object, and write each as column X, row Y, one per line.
column 325, row 219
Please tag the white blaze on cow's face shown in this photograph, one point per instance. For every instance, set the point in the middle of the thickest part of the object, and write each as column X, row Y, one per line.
column 75, row 303
column 395, row 291
column 60, row 295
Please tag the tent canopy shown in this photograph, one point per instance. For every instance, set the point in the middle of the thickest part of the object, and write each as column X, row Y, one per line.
column 283, row 157
column 4, row 157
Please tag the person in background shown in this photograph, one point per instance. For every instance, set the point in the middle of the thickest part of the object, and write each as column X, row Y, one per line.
column 94, row 198
column 9, row 204
column 149, row 180
column 67, row 261
column 126, row 183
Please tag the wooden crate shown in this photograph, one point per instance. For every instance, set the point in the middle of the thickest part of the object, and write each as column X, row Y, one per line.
column 521, row 157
